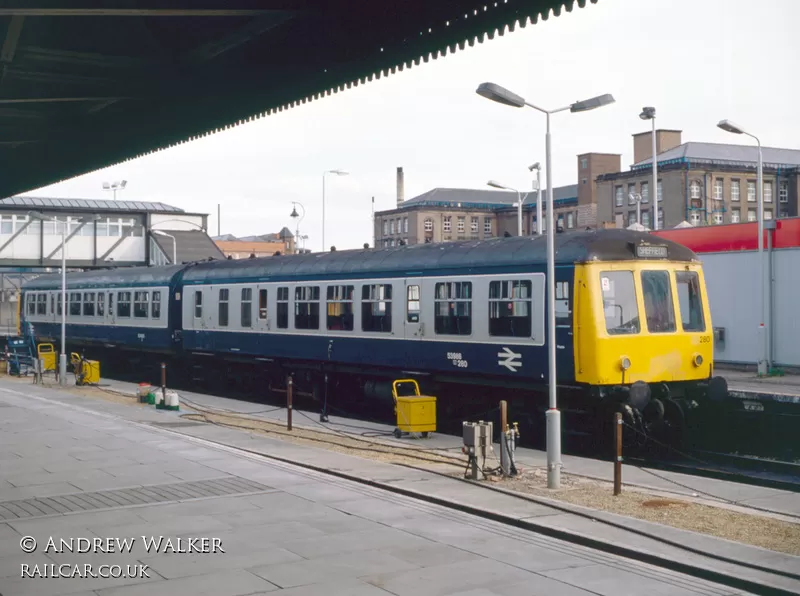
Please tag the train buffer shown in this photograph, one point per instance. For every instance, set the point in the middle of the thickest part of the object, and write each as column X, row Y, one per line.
column 415, row 413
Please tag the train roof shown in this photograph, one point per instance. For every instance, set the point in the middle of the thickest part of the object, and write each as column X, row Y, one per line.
column 447, row 258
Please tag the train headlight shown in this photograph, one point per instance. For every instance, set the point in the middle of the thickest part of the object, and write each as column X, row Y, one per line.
column 625, row 363
column 697, row 360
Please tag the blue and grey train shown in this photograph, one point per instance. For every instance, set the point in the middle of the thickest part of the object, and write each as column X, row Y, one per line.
column 467, row 319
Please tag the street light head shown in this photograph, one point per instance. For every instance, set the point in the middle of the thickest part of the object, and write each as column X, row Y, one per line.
column 500, row 95
column 496, row 184
column 123, row 184
column 592, row 104
column 730, row 127
column 294, row 213
column 648, row 113
column 338, row 172
column 106, row 186
column 535, row 166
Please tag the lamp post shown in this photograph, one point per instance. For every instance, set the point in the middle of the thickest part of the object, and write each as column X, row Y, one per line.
column 638, row 198
column 496, row 184
column 506, row 97
column 115, row 186
column 649, row 113
column 338, row 173
column 537, row 166
column 295, row 215
column 763, row 363
column 174, row 244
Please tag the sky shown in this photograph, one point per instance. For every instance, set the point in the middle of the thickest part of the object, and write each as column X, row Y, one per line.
column 697, row 62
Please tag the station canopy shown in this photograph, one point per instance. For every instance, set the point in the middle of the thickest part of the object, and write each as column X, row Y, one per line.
column 82, row 87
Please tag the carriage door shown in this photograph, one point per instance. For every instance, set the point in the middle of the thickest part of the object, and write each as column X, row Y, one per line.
column 411, row 302
column 564, row 314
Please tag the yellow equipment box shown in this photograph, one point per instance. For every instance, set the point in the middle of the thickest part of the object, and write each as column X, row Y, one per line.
column 87, row 372
column 415, row 413
column 47, row 354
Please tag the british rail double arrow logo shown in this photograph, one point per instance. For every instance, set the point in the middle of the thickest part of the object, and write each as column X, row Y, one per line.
column 511, row 360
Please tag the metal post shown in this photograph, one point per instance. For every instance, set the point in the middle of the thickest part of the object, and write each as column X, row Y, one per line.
column 503, row 416
column 654, row 192
column 164, row 382
column 289, row 388
column 618, row 459
column 219, row 220
column 62, row 360
column 504, row 453
column 519, row 214
column 762, row 363
column 323, row 212
column 639, row 209
column 539, row 201
column 553, row 415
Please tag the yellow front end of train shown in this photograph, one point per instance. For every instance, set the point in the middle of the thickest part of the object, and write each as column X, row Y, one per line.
column 642, row 322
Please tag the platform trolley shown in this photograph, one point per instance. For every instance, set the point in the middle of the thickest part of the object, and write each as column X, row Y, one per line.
column 415, row 413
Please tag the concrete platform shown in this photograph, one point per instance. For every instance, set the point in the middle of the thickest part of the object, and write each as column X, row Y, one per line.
column 748, row 386
column 75, row 467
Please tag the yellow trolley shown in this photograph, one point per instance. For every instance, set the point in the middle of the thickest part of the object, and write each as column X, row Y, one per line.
column 415, row 413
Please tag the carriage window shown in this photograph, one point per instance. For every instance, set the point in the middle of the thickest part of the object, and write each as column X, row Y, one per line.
column 306, row 307
column 88, row 304
column 690, row 301
column 247, row 307
column 41, row 304
column 60, row 304
column 30, row 300
column 140, row 304
column 198, row 304
column 510, row 308
column 619, row 302
column 453, row 308
column 123, row 304
column 155, row 306
column 75, row 304
column 283, row 308
column 223, row 307
column 53, row 304
column 657, row 294
column 562, row 304
column 262, row 304
column 340, row 308
column 412, row 304
column 101, row 304
column 376, row 308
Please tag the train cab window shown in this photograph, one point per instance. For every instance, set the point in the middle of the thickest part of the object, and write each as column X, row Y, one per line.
column 88, row 304
column 412, row 304
column 262, row 304
column 247, row 307
column 510, row 308
column 101, row 304
column 306, row 307
column 340, row 308
column 155, row 306
column 224, row 294
column 41, row 304
column 376, row 308
column 690, row 301
column 657, row 293
column 140, row 304
column 619, row 302
column 124, row 304
column 198, row 304
column 283, row 308
column 75, row 304
column 453, row 308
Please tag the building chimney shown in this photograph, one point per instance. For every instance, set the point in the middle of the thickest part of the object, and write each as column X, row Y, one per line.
column 643, row 143
column 400, row 187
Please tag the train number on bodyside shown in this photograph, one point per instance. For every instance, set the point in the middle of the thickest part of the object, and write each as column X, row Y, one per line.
column 457, row 360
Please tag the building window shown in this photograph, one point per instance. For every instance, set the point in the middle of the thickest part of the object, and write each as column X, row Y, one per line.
column 570, row 220
column 783, row 191
column 428, row 224
column 510, row 308
column 405, row 225
column 306, row 307
column 751, row 215
column 376, row 308
column 657, row 294
column 460, row 225
column 340, row 308
column 453, row 308
column 735, row 215
column 646, row 218
column 660, row 217
column 224, row 296
column 735, row 190
column 690, row 301
column 660, row 191
column 446, row 224
column 584, row 163
column 262, row 304
column 767, row 214
column 412, row 304
column 631, row 194
column 487, row 226
column 645, row 192
column 198, row 304
column 694, row 189
column 784, row 213
column 631, row 217
column 618, row 198
column 391, row 226
column 584, row 181
column 473, row 225
column 718, row 189
column 751, row 191
column 768, row 192
column 283, row 308
column 694, row 218
column 385, row 227
column 155, row 305
column 247, row 307
column 718, row 218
